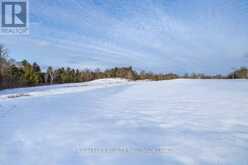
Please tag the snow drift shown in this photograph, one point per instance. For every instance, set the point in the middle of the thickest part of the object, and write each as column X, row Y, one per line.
column 120, row 122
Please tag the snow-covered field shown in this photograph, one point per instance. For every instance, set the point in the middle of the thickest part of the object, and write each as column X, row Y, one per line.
column 116, row 122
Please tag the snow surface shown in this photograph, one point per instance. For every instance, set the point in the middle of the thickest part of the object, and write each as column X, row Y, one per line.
column 191, row 122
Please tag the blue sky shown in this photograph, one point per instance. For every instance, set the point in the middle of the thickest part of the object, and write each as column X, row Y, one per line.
column 208, row 36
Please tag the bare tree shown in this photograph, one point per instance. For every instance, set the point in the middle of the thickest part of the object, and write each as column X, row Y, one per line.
column 3, row 51
column 50, row 75
column 3, row 58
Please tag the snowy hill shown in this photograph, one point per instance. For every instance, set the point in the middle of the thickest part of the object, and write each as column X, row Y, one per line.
column 60, row 89
column 115, row 121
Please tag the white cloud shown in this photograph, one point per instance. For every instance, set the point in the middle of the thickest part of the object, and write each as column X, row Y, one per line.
column 146, row 35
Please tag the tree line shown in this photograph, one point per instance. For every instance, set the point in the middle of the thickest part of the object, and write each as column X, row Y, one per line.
column 21, row 74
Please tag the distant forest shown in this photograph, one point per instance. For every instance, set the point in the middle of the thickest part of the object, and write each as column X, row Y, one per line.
column 22, row 74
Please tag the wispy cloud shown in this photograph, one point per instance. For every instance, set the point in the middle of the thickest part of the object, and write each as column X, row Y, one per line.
column 201, row 36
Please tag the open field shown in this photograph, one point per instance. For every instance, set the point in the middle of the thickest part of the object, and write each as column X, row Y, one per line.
column 115, row 121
